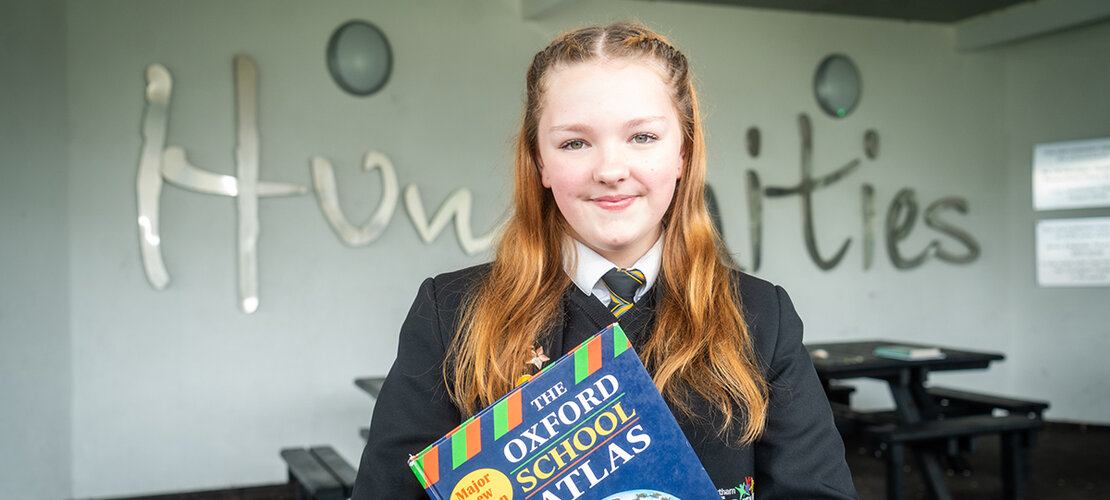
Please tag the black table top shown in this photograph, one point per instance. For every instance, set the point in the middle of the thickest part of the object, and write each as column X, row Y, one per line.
column 857, row 359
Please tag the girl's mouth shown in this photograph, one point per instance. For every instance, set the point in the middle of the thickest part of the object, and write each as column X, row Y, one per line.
column 614, row 202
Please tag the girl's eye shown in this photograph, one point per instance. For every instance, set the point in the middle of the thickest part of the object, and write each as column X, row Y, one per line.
column 643, row 138
column 573, row 145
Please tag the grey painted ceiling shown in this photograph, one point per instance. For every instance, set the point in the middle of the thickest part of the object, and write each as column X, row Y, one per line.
column 944, row 11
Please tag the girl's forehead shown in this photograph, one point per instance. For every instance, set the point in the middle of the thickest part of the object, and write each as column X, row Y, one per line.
column 604, row 93
column 604, row 64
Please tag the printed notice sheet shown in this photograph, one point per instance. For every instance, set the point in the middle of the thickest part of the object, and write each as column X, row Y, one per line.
column 1073, row 252
column 1073, row 174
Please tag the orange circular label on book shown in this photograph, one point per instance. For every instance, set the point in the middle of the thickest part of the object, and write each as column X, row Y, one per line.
column 484, row 484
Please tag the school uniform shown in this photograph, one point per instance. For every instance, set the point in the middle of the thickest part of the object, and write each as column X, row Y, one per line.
column 800, row 454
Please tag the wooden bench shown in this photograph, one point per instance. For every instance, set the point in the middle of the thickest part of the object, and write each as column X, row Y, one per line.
column 954, row 402
column 840, row 399
column 319, row 473
column 840, row 393
column 1016, row 433
column 950, row 402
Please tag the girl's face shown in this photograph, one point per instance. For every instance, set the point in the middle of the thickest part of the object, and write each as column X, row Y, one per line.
column 610, row 150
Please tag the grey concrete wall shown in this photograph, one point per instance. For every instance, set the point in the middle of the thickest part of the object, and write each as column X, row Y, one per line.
column 35, row 363
column 183, row 391
column 1056, row 90
column 178, row 386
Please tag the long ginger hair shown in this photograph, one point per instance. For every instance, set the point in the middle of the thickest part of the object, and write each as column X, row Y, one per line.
column 700, row 342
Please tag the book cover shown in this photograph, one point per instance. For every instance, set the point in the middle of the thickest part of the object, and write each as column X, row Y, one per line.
column 590, row 425
column 908, row 352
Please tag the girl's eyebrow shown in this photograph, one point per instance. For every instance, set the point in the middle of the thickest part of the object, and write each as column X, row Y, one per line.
column 636, row 122
column 582, row 127
column 571, row 127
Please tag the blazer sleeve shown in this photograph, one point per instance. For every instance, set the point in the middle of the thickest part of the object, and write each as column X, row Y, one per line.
column 413, row 409
column 800, row 454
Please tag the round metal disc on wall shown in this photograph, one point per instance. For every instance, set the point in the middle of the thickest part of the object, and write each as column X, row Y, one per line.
column 837, row 85
column 359, row 58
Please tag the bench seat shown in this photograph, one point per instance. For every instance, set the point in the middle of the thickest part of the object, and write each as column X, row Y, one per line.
column 319, row 473
column 976, row 425
column 1016, row 433
column 957, row 402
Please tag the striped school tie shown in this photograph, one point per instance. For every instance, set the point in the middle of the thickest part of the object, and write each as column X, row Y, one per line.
column 622, row 285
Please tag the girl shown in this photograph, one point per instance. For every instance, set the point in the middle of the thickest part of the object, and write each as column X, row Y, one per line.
column 608, row 179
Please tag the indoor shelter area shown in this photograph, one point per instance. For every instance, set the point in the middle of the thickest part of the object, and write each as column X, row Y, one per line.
column 215, row 215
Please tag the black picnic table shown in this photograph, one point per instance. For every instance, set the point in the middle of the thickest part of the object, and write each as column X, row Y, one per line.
column 929, row 415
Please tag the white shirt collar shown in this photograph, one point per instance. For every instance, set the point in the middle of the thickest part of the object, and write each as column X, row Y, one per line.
column 592, row 266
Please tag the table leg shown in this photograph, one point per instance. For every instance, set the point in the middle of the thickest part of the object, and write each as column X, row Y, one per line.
column 932, row 474
column 905, row 405
column 1015, row 454
column 895, row 475
column 908, row 392
column 957, row 462
column 926, row 407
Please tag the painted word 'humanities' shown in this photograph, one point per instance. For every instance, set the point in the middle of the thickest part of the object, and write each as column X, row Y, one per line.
column 158, row 163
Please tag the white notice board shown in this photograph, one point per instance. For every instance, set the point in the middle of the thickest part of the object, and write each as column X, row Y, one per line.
column 1073, row 252
column 1073, row 174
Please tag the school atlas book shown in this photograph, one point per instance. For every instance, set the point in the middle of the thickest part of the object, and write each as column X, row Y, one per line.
column 591, row 425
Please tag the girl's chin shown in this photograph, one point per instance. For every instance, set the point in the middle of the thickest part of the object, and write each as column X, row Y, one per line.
column 612, row 247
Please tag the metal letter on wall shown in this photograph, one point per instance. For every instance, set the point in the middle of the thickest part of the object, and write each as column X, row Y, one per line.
column 755, row 218
column 933, row 220
column 159, row 85
column 457, row 206
column 157, row 162
column 867, row 196
column 806, row 186
column 900, row 218
column 323, row 180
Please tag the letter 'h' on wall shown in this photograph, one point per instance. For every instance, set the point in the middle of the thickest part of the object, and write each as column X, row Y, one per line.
column 157, row 162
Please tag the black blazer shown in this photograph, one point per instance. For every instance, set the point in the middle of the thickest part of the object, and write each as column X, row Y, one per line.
column 800, row 454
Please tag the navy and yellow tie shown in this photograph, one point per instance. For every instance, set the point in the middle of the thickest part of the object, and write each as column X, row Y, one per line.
column 622, row 285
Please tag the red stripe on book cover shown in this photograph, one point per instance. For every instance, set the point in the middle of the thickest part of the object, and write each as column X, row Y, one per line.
column 516, row 410
column 431, row 465
column 595, row 354
column 473, row 438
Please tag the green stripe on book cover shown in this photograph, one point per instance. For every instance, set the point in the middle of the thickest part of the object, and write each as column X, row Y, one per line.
column 587, row 359
column 467, row 442
column 507, row 414
column 416, row 469
column 427, row 467
column 620, row 341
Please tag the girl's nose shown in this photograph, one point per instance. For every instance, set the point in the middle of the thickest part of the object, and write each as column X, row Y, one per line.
column 611, row 168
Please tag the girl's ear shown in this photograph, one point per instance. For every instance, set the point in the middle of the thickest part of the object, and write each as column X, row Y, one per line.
column 543, row 173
